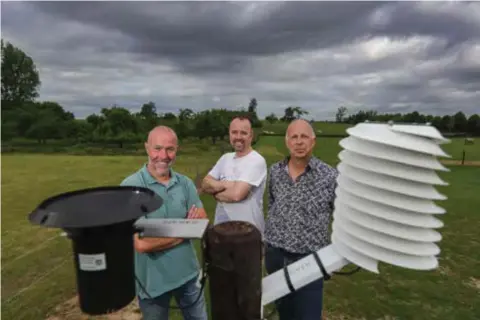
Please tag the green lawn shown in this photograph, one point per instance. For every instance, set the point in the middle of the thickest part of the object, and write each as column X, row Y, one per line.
column 457, row 145
column 37, row 269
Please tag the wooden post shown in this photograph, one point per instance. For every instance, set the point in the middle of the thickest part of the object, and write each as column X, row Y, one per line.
column 234, row 255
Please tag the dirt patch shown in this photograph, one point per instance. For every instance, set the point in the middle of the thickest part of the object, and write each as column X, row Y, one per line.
column 473, row 163
column 70, row 310
column 474, row 283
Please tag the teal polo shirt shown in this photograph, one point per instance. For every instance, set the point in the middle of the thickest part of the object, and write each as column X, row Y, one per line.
column 165, row 270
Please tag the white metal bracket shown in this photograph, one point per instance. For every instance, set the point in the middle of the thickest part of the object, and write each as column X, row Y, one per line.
column 171, row 228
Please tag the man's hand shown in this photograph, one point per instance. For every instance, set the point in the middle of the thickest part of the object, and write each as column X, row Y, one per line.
column 196, row 213
column 199, row 180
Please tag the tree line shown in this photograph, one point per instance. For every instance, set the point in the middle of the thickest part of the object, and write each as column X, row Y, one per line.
column 43, row 121
column 456, row 124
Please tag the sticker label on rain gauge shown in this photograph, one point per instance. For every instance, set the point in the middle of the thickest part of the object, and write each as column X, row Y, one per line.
column 92, row 262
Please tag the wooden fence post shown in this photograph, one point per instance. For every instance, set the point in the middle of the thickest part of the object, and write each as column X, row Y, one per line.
column 234, row 255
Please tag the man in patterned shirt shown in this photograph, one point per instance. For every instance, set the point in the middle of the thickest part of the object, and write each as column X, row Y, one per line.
column 301, row 192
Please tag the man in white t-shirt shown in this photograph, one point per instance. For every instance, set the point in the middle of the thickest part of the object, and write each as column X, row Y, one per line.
column 237, row 181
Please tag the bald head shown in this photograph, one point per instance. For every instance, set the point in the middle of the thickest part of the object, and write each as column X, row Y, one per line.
column 162, row 131
column 300, row 139
column 300, row 124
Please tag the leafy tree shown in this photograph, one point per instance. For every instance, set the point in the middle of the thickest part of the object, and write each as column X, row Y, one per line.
column 299, row 112
column 8, row 128
column 341, row 113
column 252, row 113
column 437, row 122
column 147, row 118
column 292, row 113
column 47, row 125
column 148, row 111
column 56, row 109
column 272, row 118
column 252, row 106
column 448, row 123
column 460, row 122
column 213, row 124
column 289, row 115
column 19, row 121
column 24, row 117
column 473, row 124
column 95, row 120
column 362, row 116
column 182, row 129
column 118, row 126
column 169, row 116
column 80, row 130
column 20, row 77
column 185, row 114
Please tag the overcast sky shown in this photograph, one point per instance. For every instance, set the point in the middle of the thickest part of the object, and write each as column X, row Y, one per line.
column 387, row 56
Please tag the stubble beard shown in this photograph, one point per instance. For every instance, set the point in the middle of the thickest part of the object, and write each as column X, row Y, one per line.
column 161, row 168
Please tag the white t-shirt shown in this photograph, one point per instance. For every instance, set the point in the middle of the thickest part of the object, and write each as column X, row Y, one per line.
column 251, row 168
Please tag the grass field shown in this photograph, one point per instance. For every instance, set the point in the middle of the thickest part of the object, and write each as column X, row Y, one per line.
column 37, row 269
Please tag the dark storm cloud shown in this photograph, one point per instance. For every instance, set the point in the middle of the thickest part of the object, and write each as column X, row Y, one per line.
column 202, row 37
column 442, row 20
column 384, row 55
column 216, row 29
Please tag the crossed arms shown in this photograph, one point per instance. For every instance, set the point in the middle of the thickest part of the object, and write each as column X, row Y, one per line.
column 226, row 191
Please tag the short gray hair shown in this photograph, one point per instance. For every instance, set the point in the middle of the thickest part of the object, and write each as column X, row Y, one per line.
column 303, row 120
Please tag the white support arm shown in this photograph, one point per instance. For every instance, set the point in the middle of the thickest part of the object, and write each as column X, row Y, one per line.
column 301, row 273
column 172, row 228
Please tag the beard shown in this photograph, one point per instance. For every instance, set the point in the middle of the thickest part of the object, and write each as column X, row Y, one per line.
column 239, row 144
column 161, row 167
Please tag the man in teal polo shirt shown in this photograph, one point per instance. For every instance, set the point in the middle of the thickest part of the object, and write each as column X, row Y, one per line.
column 167, row 267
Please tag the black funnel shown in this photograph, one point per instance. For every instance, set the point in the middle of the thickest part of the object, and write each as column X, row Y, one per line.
column 99, row 221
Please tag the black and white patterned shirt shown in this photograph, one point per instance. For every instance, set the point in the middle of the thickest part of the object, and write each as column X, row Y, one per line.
column 299, row 213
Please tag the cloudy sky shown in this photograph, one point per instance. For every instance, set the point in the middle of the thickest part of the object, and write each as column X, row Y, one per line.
column 387, row 56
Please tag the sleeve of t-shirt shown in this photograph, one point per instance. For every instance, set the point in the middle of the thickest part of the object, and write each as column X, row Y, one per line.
column 192, row 195
column 255, row 172
column 217, row 168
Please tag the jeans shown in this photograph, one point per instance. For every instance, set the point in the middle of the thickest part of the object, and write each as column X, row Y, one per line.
column 185, row 295
column 304, row 304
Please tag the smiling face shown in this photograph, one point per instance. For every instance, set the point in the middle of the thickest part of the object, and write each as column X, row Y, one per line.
column 241, row 135
column 161, row 149
column 300, row 139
